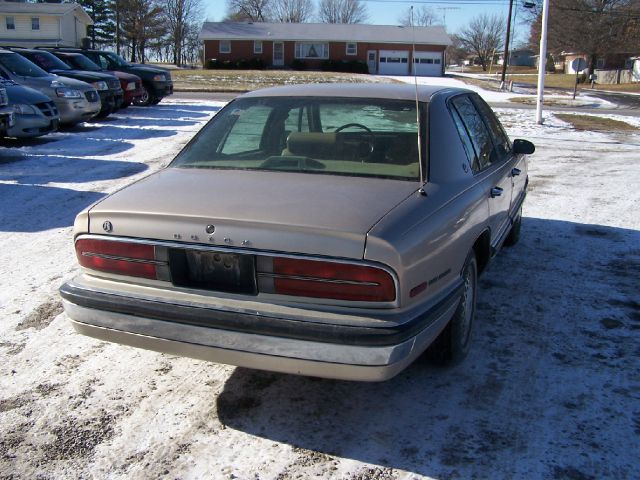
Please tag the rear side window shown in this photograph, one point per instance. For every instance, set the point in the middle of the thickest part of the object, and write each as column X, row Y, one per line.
column 477, row 130
column 466, row 141
column 500, row 138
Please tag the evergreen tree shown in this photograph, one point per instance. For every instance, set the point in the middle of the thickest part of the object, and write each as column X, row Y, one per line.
column 102, row 32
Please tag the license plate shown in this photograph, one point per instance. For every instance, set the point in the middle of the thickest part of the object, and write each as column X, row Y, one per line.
column 224, row 272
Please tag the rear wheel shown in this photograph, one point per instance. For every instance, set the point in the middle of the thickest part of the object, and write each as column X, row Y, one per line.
column 452, row 345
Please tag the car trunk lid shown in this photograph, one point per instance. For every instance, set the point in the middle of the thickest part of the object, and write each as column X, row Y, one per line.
column 277, row 211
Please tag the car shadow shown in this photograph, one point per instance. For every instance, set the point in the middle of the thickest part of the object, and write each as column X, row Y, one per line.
column 173, row 110
column 57, row 144
column 548, row 384
column 56, row 169
column 41, row 207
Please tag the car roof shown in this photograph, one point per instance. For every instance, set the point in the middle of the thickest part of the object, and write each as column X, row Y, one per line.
column 356, row 90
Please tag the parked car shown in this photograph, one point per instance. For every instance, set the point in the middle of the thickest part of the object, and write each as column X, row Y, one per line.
column 312, row 229
column 107, row 86
column 156, row 81
column 6, row 112
column 131, row 84
column 35, row 113
column 75, row 100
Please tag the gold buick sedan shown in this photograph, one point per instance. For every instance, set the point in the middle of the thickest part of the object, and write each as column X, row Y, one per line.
column 327, row 230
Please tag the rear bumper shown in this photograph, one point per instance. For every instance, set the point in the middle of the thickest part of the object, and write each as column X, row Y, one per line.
column 257, row 340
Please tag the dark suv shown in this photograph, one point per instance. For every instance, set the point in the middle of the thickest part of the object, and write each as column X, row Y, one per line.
column 156, row 81
column 108, row 86
column 131, row 84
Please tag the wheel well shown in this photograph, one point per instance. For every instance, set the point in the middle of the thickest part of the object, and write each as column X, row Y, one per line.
column 482, row 249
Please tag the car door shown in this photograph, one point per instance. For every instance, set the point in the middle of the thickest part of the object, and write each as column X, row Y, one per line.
column 490, row 165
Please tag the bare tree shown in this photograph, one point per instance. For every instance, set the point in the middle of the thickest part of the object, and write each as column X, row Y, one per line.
column 592, row 27
column 342, row 11
column 422, row 16
column 483, row 37
column 253, row 10
column 179, row 15
column 291, row 11
column 142, row 25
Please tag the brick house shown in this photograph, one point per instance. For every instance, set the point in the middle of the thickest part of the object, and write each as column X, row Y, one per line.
column 387, row 50
column 47, row 24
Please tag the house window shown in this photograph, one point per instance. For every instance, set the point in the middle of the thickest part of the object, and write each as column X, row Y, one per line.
column 225, row 46
column 600, row 63
column 312, row 50
column 352, row 48
column 11, row 23
column 35, row 23
column 257, row 46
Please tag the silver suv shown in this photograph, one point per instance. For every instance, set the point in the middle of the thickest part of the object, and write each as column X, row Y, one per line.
column 76, row 101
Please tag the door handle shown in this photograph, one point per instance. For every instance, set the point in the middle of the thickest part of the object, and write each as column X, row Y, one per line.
column 515, row 172
column 496, row 192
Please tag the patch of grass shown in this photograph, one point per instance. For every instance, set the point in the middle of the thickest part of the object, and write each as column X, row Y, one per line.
column 595, row 123
column 246, row 80
column 549, row 102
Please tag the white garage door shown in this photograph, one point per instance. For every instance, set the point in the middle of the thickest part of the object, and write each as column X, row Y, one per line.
column 428, row 64
column 394, row 62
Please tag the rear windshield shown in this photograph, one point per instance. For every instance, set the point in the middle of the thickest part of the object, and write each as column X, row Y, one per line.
column 339, row 136
column 19, row 65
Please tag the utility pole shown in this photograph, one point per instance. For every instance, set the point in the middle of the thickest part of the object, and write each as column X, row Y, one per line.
column 542, row 61
column 505, row 58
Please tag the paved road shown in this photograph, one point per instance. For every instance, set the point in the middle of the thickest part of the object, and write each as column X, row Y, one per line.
column 628, row 105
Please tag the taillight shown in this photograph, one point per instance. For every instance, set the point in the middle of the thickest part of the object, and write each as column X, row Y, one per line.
column 339, row 281
column 124, row 258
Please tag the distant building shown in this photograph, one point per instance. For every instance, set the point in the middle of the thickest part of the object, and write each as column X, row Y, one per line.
column 384, row 49
column 43, row 24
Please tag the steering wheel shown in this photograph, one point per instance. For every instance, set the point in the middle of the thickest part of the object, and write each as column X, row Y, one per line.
column 365, row 148
column 349, row 125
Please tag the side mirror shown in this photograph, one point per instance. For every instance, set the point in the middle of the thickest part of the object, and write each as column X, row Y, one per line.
column 523, row 147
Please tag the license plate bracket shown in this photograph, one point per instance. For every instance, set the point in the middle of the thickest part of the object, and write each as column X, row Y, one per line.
column 216, row 271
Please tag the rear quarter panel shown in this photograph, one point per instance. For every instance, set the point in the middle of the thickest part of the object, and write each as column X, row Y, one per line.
column 427, row 237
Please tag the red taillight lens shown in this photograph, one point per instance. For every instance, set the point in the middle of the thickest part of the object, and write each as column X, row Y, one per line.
column 133, row 259
column 339, row 281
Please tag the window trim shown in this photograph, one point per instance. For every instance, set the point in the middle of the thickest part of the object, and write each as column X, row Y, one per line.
column 35, row 23
column 224, row 50
column 355, row 48
column 256, row 50
column 10, row 25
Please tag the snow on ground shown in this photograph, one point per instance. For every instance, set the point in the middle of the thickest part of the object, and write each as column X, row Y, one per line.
column 519, row 92
column 551, row 388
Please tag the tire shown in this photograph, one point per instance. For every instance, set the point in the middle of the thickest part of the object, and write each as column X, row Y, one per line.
column 453, row 343
column 145, row 99
column 514, row 233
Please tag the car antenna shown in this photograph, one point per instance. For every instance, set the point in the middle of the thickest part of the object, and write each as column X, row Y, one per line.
column 421, row 190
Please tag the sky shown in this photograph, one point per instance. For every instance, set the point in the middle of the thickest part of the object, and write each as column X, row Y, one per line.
column 457, row 14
